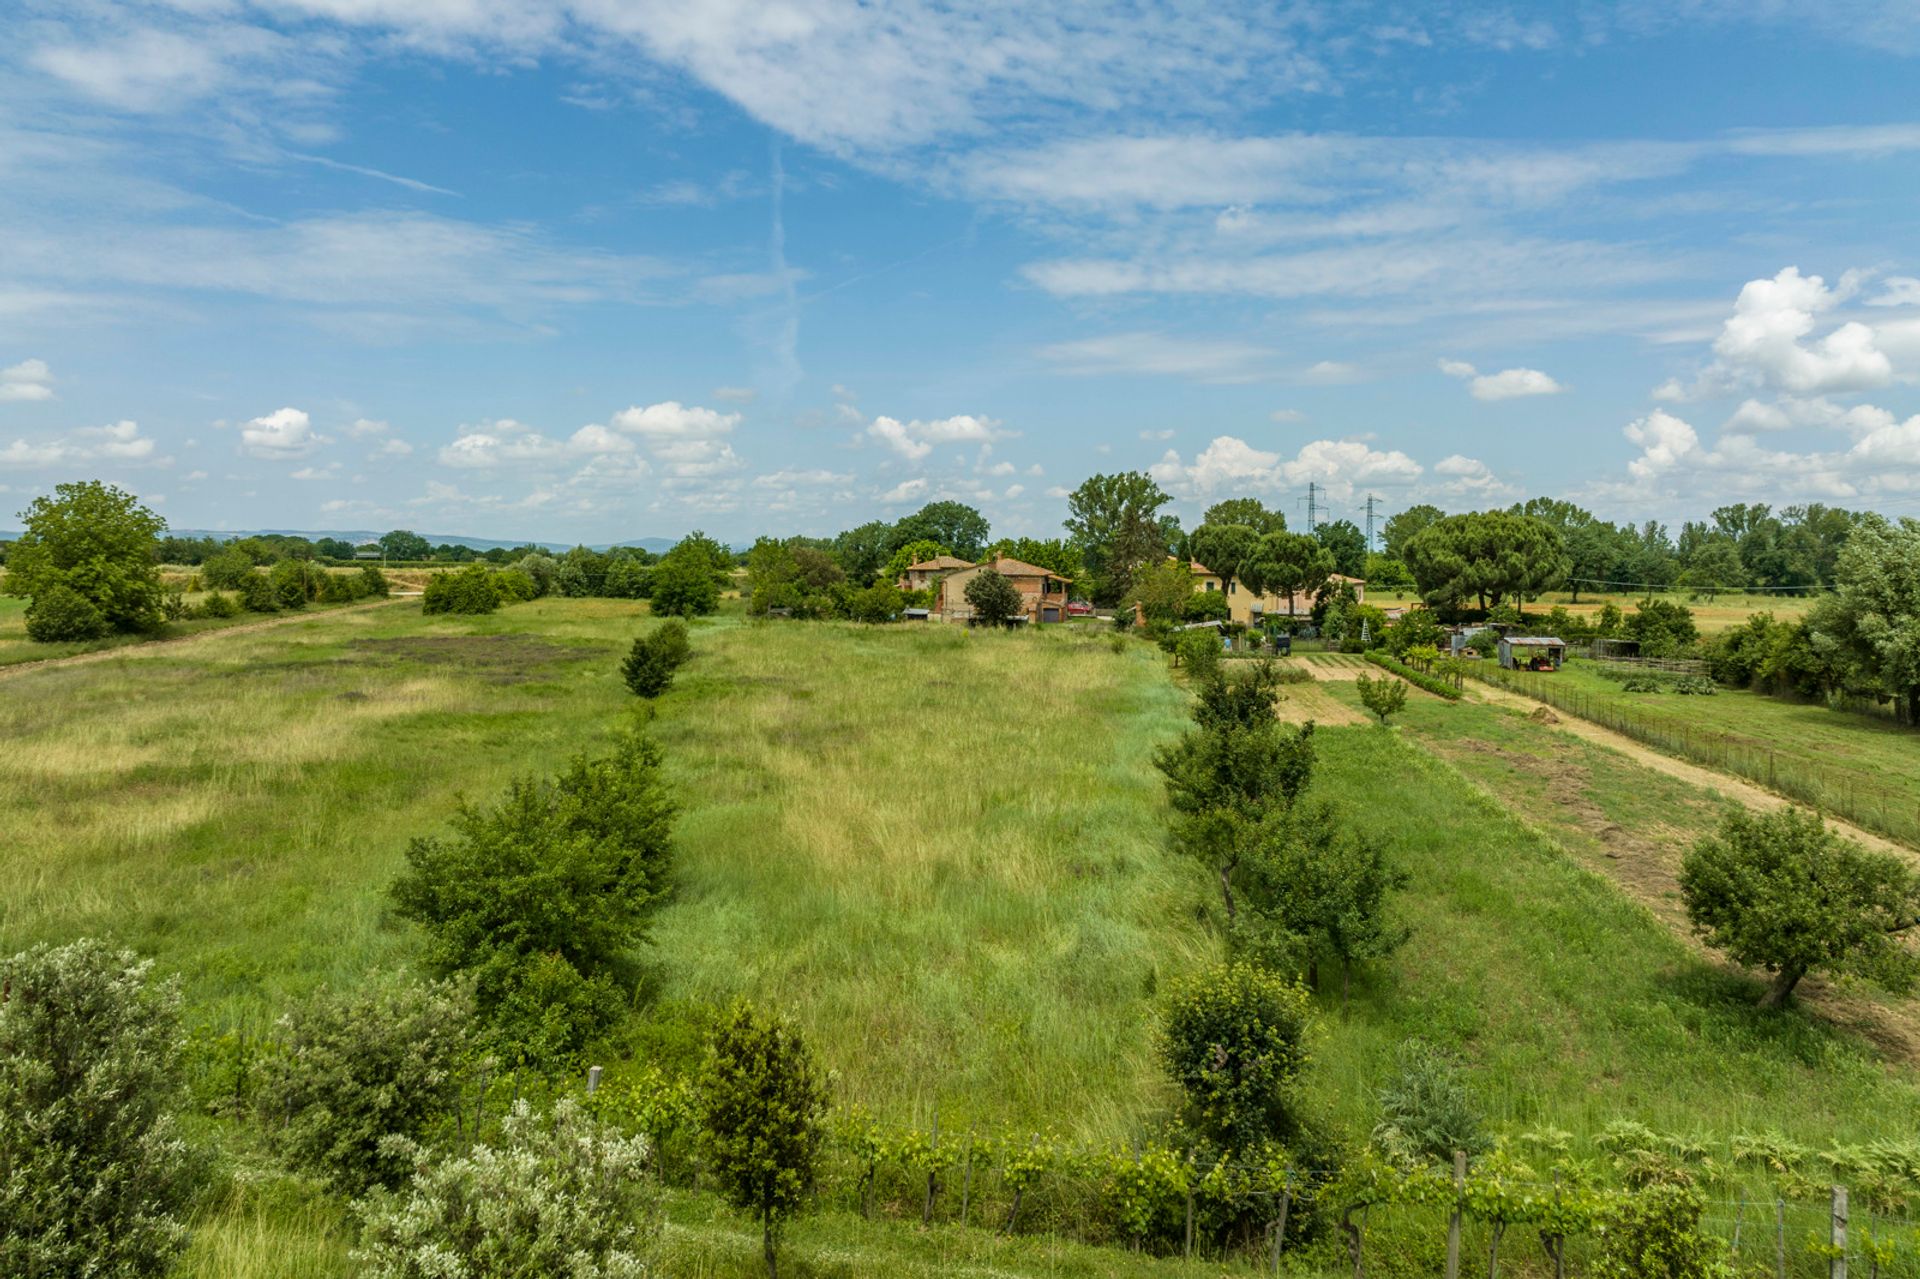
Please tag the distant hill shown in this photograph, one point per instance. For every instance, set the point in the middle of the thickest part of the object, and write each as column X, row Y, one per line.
column 357, row 536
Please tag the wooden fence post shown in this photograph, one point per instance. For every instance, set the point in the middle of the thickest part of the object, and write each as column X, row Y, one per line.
column 1453, row 1218
column 1280, row 1225
column 1189, row 1248
column 1838, row 1267
column 593, row 1080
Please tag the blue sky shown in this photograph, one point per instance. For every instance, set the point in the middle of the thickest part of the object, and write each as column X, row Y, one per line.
column 605, row 269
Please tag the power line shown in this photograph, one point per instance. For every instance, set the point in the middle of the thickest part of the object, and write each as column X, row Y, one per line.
column 1697, row 590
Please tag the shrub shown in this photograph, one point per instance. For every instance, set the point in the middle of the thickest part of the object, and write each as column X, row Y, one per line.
column 290, row 584
column 557, row 1196
column 1383, row 696
column 1438, row 687
column 542, row 569
column 1206, row 606
column 219, row 605
column 356, row 1069
column 373, row 582
column 1780, row 892
column 683, row 584
column 568, row 869
column 654, row 658
column 1426, row 1111
column 1234, row 1039
column 256, row 593
column 762, row 1109
column 993, row 598
column 96, row 1178
column 880, row 602
column 60, row 614
column 517, row 586
column 224, row 569
column 473, row 589
column 97, row 541
column 336, row 588
column 1656, row 1233
column 1199, row 652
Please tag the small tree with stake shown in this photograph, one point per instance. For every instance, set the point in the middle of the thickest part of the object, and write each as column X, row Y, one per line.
column 762, row 1106
column 1384, row 696
column 1780, row 892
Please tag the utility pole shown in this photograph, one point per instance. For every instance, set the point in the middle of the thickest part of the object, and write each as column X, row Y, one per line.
column 1313, row 509
column 1372, row 501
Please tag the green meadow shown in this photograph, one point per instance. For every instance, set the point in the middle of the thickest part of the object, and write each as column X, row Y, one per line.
column 943, row 852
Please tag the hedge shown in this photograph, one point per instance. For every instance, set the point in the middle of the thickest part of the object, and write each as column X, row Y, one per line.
column 1420, row 679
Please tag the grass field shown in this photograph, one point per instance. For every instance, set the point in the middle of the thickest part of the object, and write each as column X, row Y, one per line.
column 16, row 648
column 1862, row 767
column 1712, row 616
column 941, row 850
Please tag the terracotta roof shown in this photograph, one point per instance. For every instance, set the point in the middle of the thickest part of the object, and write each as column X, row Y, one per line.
column 1197, row 567
column 1342, row 577
column 940, row 562
column 1006, row 567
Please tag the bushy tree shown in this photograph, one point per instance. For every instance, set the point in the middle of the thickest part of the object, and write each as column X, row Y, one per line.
column 1384, row 696
column 1780, row 892
column 559, row 1195
column 1163, row 591
column 1114, row 521
column 1244, row 510
column 880, row 602
column 1664, row 627
column 655, row 657
column 993, row 598
column 225, row 569
column 951, row 524
column 542, row 569
column 1319, row 890
column 762, row 1111
column 626, row 577
column 404, row 544
column 1484, row 556
column 1234, row 1039
column 1416, row 627
column 1235, row 771
column 1346, row 543
column 94, row 1176
column 686, row 581
column 354, row 1070
column 473, row 589
column 1408, row 524
column 1290, row 564
column 98, row 542
column 59, row 614
column 1223, row 548
column 1658, row 1232
column 1199, row 652
column 560, row 872
column 291, row 585
column 256, row 593
column 1872, row 620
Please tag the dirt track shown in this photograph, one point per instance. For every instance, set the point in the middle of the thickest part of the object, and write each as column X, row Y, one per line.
column 130, row 650
column 1734, row 788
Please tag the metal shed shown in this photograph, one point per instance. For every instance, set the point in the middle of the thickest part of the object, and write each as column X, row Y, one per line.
column 1532, row 652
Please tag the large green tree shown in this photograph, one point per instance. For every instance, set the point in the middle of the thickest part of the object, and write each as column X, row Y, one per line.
column 993, row 598
column 1224, row 548
column 1290, row 564
column 1485, row 555
column 952, row 524
column 404, row 544
column 1407, row 525
column 1245, row 510
column 1780, row 892
column 91, row 541
column 1115, row 522
column 1872, row 620
column 1348, row 545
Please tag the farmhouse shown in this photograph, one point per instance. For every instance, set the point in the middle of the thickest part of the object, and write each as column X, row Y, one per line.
column 1043, row 593
column 1245, row 607
column 918, row 577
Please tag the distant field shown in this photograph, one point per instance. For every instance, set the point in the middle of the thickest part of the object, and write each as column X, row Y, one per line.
column 15, row 647
column 1862, row 767
column 1721, row 613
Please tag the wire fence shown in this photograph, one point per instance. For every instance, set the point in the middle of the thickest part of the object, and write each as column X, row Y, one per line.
column 1893, row 811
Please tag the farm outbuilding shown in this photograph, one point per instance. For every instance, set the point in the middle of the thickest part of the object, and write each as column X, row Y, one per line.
column 1532, row 652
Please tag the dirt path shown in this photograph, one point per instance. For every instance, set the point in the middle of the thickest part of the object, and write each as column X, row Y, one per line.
column 130, row 650
column 1735, row 788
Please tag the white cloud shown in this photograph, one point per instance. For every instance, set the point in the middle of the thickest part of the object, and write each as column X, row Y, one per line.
column 393, row 448
column 801, row 479
column 281, row 434
column 1507, row 384
column 27, row 380
column 500, row 443
column 905, row 491
column 1332, row 373
column 1897, row 290
column 365, row 427
column 1286, row 417
column 315, row 473
column 671, row 420
column 1156, row 435
column 1764, row 343
column 116, row 442
column 735, row 394
column 916, row 439
column 1468, row 477
column 1204, row 360
column 1230, row 463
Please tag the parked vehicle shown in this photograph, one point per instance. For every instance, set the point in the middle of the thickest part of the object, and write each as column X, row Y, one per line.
column 1079, row 608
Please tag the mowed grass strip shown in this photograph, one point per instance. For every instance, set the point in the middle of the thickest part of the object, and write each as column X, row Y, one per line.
column 1573, row 1005
column 944, row 851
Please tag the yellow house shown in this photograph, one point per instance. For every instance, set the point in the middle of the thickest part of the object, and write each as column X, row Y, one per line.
column 1248, row 609
column 919, row 577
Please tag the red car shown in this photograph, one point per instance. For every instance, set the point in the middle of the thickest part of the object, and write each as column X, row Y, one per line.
column 1079, row 608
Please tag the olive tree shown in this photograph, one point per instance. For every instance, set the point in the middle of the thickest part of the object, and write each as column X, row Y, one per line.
column 762, row 1110
column 1782, row 893
column 96, row 542
column 1383, row 696
column 94, row 1176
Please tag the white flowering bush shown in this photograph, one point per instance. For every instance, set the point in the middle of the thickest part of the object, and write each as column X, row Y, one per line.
column 560, row 1196
column 94, row 1177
